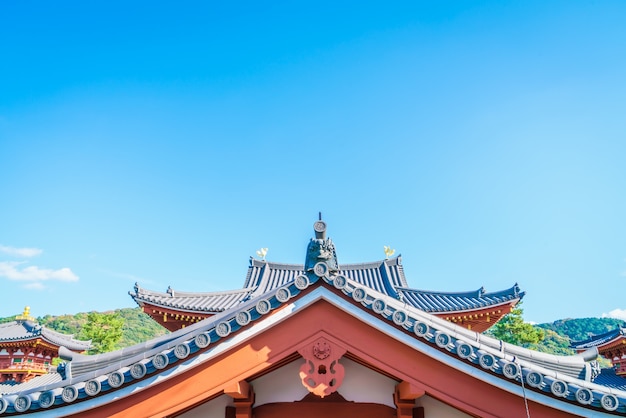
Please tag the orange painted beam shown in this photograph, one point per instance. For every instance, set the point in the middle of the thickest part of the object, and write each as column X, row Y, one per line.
column 172, row 319
column 479, row 320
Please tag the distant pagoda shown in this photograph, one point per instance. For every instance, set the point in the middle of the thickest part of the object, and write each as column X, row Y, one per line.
column 611, row 345
column 475, row 310
column 27, row 348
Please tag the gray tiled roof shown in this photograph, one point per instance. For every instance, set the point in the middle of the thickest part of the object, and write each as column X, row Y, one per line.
column 598, row 340
column 265, row 276
column 43, row 380
column 458, row 301
column 549, row 378
column 375, row 293
column 24, row 330
column 609, row 378
column 384, row 276
column 211, row 302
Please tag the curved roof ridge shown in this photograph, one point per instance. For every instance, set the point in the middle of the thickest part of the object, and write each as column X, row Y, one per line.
column 191, row 302
column 26, row 330
column 478, row 293
column 342, row 266
column 468, row 294
column 273, row 264
column 571, row 365
column 359, row 266
column 172, row 293
column 178, row 293
column 16, row 331
column 432, row 301
column 52, row 333
column 515, row 290
column 599, row 339
column 66, row 340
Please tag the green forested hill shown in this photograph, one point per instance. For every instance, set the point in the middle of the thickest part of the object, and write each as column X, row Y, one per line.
column 560, row 334
column 580, row 329
column 139, row 327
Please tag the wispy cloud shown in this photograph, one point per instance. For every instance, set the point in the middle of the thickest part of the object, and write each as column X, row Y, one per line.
column 34, row 286
column 20, row 252
column 616, row 313
column 12, row 271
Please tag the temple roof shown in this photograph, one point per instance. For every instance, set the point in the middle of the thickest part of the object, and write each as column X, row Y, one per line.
column 563, row 382
column 367, row 296
column 384, row 276
column 192, row 301
column 36, row 382
column 599, row 340
column 457, row 301
column 609, row 378
column 26, row 330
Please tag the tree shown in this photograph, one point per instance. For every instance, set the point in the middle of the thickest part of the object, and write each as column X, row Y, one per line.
column 512, row 329
column 104, row 330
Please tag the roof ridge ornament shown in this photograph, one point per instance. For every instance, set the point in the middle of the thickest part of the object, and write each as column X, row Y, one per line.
column 321, row 250
column 25, row 316
column 262, row 252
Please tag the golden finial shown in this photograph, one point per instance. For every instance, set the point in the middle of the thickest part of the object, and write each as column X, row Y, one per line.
column 25, row 316
column 388, row 251
column 261, row 253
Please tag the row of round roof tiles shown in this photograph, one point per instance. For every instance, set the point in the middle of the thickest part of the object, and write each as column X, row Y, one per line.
column 465, row 350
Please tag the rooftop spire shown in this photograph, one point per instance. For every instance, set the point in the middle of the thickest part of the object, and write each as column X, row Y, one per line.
column 25, row 316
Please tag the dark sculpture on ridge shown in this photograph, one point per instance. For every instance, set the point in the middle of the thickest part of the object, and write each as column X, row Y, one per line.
column 321, row 250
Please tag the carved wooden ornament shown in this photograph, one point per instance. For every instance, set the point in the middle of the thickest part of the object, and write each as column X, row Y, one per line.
column 321, row 373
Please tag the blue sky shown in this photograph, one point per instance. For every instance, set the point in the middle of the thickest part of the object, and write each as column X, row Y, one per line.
column 484, row 141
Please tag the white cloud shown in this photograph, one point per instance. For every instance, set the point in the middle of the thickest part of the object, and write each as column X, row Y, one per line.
column 616, row 313
column 11, row 270
column 34, row 286
column 20, row 252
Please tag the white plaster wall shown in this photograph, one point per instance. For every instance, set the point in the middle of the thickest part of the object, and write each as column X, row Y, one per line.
column 365, row 385
column 282, row 385
column 436, row 409
column 215, row 408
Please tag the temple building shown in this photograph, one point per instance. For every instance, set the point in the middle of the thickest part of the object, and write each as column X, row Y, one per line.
column 610, row 345
column 475, row 310
column 326, row 342
column 27, row 348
